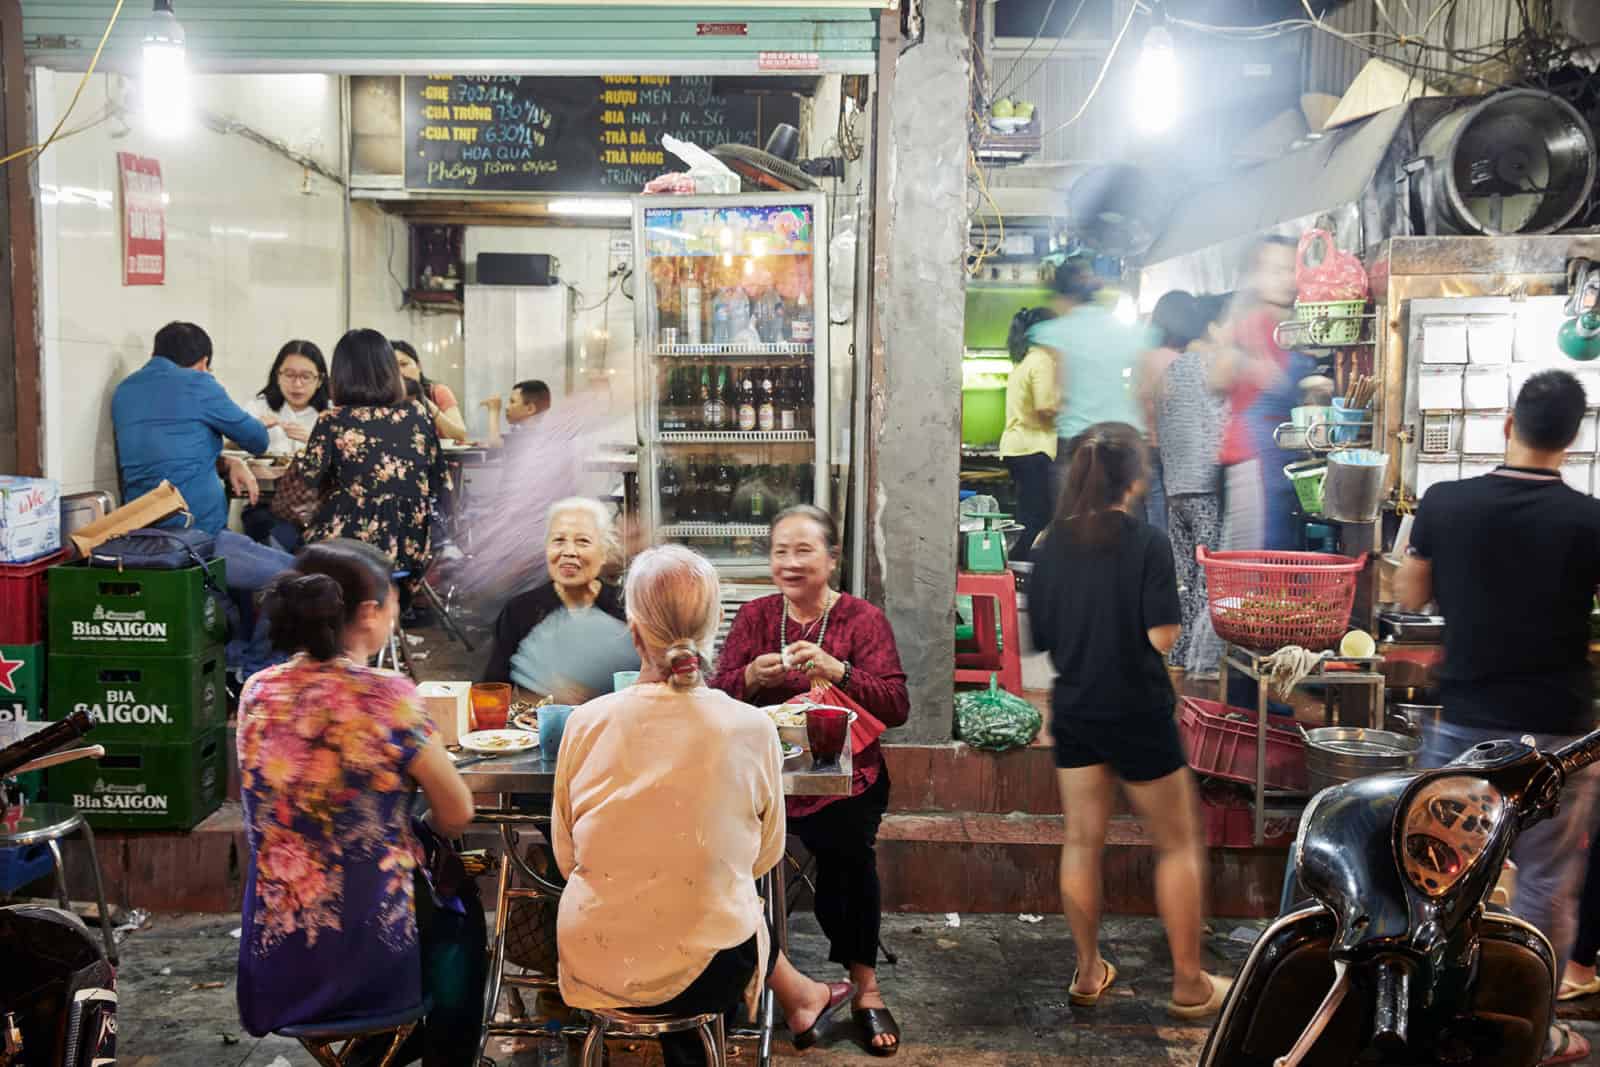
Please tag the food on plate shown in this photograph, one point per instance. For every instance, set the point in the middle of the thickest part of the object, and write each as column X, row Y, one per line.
column 791, row 751
column 787, row 715
column 496, row 742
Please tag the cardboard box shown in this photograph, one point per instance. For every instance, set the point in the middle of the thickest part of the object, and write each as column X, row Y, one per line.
column 162, row 502
column 25, row 541
column 448, row 705
column 25, row 500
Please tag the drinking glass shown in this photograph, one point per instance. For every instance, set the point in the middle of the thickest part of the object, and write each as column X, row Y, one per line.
column 825, row 730
column 491, row 703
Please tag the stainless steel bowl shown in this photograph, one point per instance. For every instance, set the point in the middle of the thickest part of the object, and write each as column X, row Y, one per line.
column 1336, row 754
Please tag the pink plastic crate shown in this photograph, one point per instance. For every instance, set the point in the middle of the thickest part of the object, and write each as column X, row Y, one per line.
column 1221, row 742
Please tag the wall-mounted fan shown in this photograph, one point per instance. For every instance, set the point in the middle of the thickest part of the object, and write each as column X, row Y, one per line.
column 773, row 168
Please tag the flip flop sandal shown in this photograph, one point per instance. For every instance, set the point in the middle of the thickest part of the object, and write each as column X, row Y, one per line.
column 1573, row 1048
column 838, row 994
column 1089, row 1000
column 876, row 1023
column 1190, row 1012
column 1575, row 990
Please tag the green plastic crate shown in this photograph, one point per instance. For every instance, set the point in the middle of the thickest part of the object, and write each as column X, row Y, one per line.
column 101, row 611
column 141, row 698
column 139, row 786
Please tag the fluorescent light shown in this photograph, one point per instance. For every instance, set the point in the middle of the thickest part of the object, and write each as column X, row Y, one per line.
column 1155, row 83
column 166, row 73
column 611, row 209
column 1126, row 310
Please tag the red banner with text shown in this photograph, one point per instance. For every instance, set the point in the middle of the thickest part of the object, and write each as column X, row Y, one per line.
column 144, row 220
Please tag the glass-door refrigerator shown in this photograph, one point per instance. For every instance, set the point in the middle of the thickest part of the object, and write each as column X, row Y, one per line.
column 731, row 330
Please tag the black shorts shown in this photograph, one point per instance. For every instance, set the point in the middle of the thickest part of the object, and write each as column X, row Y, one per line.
column 1138, row 748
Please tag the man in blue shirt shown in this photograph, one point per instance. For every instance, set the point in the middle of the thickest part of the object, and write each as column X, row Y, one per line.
column 170, row 417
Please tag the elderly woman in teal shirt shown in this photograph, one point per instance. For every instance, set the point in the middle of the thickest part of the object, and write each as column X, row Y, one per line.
column 536, row 631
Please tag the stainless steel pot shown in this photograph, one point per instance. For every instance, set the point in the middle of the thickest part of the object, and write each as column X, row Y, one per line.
column 1418, row 718
column 1336, row 754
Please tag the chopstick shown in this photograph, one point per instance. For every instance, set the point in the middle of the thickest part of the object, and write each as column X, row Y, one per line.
column 1359, row 391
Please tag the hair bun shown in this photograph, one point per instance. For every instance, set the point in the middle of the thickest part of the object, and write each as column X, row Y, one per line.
column 314, row 596
column 683, row 664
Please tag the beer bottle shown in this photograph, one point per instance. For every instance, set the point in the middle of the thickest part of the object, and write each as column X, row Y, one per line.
column 767, row 412
column 747, row 401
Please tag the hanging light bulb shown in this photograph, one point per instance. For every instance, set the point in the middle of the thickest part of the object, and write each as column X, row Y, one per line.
column 1155, row 83
column 166, row 73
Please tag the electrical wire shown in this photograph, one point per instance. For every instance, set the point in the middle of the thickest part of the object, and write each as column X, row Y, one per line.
column 1066, row 30
column 1043, row 23
column 38, row 149
column 1133, row 9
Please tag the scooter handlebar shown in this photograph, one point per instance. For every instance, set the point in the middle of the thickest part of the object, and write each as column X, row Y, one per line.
column 1578, row 755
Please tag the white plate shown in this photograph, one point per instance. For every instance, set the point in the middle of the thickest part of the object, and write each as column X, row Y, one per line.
column 499, row 742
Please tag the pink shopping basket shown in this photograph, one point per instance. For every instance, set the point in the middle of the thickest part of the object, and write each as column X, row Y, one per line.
column 1265, row 600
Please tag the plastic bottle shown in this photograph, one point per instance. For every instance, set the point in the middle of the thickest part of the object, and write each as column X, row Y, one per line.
column 552, row 1047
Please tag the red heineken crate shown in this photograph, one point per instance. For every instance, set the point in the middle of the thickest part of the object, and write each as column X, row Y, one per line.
column 22, row 600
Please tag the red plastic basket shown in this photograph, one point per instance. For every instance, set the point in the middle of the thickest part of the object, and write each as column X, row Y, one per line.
column 22, row 600
column 1265, row 600
column 1221, row 742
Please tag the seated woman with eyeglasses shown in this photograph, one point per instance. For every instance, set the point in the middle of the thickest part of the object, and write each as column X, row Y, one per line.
column 295, row 395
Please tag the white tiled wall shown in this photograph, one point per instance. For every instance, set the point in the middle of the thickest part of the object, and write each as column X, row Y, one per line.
column 255, row 253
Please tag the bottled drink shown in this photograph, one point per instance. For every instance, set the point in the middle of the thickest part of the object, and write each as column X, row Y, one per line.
column 747, row 400
column 720, row 392
column 722, row 493
column 693, row 332
column 721, row 322
column 552, row 1051
column 669, row 491
column 771, row 318
column 689, row 495
column 766, row 411
column 788, row 399
column 709, row 419
column 760, row 496
column 802, row 328
column 729, row 382
column 805, row 405
column 677, row 400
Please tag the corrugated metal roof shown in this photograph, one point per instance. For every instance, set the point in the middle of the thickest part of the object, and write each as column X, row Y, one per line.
column 1329, row 173
column 324, row 36
column 1332, row 64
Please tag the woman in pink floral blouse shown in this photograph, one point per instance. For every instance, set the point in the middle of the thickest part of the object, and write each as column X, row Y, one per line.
column 329, row 753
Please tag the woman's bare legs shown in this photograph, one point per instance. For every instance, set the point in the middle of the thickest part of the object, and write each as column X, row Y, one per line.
column 1086, row 794
column 1170, row 809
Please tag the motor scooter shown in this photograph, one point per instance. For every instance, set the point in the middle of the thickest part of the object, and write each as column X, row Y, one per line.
column 58, row 992
column 1401, row 961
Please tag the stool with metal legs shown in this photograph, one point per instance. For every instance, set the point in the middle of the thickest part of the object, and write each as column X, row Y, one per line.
column 618, row 1022
column 47, row 824
column 399, row 656
column 321, row 1039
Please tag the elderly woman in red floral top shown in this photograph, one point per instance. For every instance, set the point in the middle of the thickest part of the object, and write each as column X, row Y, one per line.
column 779, row 647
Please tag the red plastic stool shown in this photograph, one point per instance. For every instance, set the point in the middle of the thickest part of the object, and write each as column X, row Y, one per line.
column 991, row 593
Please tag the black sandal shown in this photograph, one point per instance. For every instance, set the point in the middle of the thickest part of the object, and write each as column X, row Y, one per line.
column 838, row 994
column 876, row 1023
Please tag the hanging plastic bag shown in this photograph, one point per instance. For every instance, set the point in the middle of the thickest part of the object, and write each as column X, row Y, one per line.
column 996, row 720
column 1323, row 274
column 842, row 269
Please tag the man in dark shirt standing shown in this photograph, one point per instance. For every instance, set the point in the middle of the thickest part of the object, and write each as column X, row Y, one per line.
column 1513, row 559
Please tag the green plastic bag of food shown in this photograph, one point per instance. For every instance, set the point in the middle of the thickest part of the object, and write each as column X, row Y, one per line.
column 994, row 719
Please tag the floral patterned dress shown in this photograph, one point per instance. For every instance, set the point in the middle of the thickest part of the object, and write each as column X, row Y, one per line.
column 380, row 471
column 329, row 928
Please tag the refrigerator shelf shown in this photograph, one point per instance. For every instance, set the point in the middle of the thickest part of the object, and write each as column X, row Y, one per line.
column 734, row 437
column 772, row 351
column 684, row 530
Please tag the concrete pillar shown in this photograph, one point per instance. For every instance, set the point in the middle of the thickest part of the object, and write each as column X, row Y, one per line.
column 919, row 302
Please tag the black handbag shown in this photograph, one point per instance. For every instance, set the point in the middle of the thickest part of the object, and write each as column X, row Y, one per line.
column 157, row 549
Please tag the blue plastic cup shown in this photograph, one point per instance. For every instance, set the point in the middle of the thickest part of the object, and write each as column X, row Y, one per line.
column 552, row 724
column 623, row 679
column 1346, row 422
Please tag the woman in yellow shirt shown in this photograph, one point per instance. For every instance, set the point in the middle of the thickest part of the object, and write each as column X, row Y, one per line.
column 1028, row 444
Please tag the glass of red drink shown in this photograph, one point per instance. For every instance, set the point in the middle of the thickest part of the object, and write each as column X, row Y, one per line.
column 491, row 703
column 825, row 730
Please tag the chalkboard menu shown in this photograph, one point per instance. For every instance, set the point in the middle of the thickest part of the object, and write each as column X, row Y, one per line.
column 578, row 135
